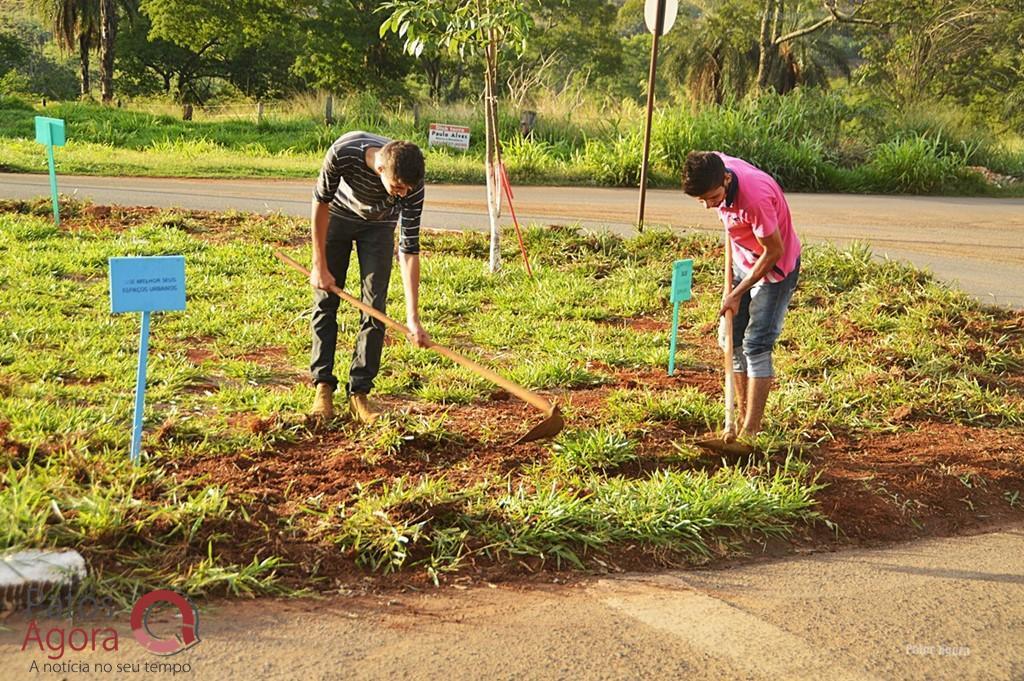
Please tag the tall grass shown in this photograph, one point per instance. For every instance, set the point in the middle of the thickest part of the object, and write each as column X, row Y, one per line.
column 808, row 140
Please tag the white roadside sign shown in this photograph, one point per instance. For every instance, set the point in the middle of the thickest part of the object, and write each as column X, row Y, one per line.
column 651, row 14
column 455, row 136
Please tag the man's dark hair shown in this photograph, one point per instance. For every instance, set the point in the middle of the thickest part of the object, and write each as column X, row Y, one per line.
column 404, row 161
column 703, row 172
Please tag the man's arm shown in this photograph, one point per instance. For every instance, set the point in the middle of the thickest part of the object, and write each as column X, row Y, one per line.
column 319, row 276
column 772, row 253
column 409, row 263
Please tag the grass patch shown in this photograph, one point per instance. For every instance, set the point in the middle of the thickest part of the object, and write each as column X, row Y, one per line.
column 236, row 494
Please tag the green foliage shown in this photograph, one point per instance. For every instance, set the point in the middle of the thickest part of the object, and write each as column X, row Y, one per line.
column 456, row 26
column 251, row 44
column 29, row 69
column 916, row 165
column 809, row 141
column 966, row 53
column 65, row 371
column 593, row 450
column 13, row 53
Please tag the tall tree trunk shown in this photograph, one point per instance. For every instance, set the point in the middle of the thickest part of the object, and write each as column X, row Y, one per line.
column 453, row 91
column 83, row 58
column 768, row 51
column 108, row 32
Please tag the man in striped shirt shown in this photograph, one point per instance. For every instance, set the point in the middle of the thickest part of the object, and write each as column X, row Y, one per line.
column 766, row 267
column 367, row 186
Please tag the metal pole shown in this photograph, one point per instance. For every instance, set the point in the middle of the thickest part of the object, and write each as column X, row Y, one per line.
column 140, row 387
column 672, row 345
column 659, row 25
column 53, row 185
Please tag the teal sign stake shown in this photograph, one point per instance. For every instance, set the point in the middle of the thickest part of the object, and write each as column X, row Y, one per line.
column 682, row 283
column 50, row 133
column 146, row 285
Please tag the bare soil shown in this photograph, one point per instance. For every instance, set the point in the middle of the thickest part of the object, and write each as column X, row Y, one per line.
column 932, row 479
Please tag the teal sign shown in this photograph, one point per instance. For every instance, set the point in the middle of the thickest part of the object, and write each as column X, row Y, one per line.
column 50, row 133
column 146, row 285
column 682, row 282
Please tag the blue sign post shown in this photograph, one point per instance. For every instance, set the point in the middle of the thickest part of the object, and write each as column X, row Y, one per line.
column 682, row 282
column 145, row 284
column 50, row 133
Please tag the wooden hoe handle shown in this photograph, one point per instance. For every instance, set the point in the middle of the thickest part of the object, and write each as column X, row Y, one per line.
column 519, row 391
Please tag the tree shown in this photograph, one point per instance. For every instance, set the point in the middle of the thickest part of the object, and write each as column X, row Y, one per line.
column 461, row 27
column 571, row 43
column 969, row 52
column 76, row 26
column 342, row 50
column 151, row 65
column 774, row 66
column 13, row 53
column 108, row 34
column 726, row 50
column 28, row 63
column 251, row 43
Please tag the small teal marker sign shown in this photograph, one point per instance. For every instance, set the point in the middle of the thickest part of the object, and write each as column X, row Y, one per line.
column 682, row 284
column 145, row 284
column 50, row 133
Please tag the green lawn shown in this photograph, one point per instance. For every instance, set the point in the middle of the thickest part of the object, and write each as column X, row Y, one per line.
column 236, row 493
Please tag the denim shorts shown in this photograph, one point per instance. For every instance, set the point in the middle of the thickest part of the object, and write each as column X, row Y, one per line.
column 757, row 325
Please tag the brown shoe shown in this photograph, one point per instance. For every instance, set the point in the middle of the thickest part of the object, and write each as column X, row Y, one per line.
column 361, row 409
column 323, row 403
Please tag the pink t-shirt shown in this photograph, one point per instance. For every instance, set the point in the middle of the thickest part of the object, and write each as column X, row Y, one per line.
column 757, row 208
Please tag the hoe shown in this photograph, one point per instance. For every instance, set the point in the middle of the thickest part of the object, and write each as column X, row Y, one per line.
column 718, row 444
column 551, row 425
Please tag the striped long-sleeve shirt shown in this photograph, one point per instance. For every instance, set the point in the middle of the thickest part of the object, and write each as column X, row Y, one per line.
column 355, row 192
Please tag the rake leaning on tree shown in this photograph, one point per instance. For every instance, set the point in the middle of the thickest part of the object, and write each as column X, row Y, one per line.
column 766, row 267
column 367, row 186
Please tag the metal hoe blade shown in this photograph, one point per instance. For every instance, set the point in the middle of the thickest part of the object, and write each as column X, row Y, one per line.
column 551, row 426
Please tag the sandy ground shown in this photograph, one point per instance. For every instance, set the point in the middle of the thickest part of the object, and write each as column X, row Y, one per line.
column 974, row 242
column 933, row 609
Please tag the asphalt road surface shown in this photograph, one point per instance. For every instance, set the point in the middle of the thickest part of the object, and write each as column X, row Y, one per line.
column 977, row 243
column 929, row 610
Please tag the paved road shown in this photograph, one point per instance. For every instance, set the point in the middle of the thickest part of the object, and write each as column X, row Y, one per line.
column 930, row 610
column 976, row 242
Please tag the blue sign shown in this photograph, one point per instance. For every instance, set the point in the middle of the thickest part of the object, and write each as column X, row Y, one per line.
column 50, row 131
column 147, row 284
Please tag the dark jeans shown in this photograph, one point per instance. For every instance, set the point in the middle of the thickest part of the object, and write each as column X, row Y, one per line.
column 375, row 248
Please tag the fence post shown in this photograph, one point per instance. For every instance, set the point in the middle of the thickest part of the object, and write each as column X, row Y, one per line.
column 527, row 119
column 259, row 113
column 329, row 110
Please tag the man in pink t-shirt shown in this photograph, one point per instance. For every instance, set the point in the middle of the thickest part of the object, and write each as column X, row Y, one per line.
column 766, row 267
